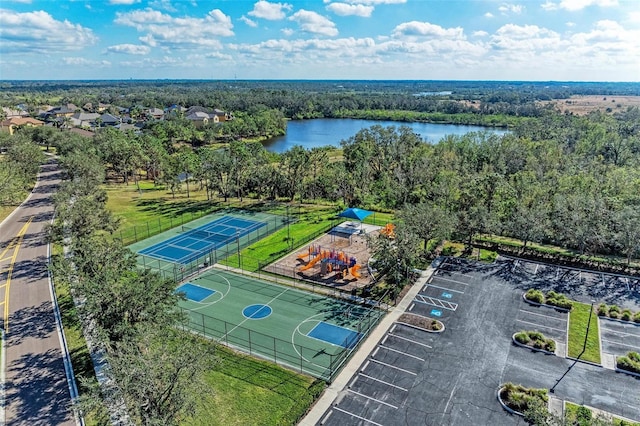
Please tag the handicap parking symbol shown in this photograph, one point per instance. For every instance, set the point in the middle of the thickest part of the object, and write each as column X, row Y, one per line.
column 436, row 313
column 447, row 295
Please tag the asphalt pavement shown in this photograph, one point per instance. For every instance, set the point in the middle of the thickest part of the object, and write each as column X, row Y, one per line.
column 36, row 389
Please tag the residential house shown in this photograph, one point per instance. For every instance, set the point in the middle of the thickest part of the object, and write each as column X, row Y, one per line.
column 84, row 119
column 107, row 120
column 11, row 124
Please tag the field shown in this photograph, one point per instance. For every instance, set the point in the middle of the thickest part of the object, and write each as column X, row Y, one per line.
column 582, row 105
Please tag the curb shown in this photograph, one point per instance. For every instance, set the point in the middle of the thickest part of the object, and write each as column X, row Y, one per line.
column 584, row 361
column 621, row 321
column 510, row 410
column 622, row 370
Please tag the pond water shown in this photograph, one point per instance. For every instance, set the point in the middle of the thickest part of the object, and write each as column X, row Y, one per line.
column 330, row 131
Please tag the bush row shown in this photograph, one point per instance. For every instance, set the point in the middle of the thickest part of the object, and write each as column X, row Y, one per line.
column 630, row 362
column 614, row 311
column 520, row 398
column 536, row 340
column 551, row 298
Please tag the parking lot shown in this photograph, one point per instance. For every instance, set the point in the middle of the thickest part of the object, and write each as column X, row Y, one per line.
column 618, row 338
column 414, row 377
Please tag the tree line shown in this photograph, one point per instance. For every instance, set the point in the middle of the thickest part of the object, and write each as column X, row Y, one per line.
column 131, row 314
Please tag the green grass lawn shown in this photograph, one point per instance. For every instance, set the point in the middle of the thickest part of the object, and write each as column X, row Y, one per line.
column 578, row 320
column 248, row 391
column 571, row 411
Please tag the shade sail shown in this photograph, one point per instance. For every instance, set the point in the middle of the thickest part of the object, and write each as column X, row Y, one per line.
column 355, row 213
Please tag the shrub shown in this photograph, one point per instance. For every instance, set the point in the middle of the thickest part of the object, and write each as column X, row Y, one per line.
column 626, row 315
column 631, row 362
column 534, row 295
column 522, row 337
column 614, row 308
column 583, row 416
column 436, row 325
column 602, row 310
column 550, row 345
column 519, row 398
column 559, row 300
column 636, row 317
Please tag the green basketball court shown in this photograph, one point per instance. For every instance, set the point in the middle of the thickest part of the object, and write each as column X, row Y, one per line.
column 311, row 333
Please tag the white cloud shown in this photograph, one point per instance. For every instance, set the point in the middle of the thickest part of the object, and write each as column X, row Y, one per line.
column 634, row 17
column 506, row 9
column 270, row 11
column 84, row 62
column 426, row 29
column 287, row 31
column 374, row 2
column 248, row 21
column 344, row 9
column 130, row 49
column 549, row 5
column 480, row 33
column 39, row 32
column 570, row 24
column 163, row 4
column 488, row 15
column 168, row 32
column 575, row 5
column 315, row 23
column 125, row 2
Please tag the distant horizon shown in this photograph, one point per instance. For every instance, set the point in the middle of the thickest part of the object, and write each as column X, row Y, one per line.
column 371, row 40
column 325, row 79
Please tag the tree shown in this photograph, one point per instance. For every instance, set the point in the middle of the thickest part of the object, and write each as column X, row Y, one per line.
column 294, row 166
column 160, row 374
column 427, row 221
column 396, row 258
column 627, row 231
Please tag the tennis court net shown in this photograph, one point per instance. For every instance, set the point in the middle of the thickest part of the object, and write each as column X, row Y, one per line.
column 207, row 235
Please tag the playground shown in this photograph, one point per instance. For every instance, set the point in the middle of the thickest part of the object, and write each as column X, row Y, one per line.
column 337, row 259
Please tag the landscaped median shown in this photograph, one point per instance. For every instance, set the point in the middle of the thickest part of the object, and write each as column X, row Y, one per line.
column 551, row 299
column 423, row 323
column 518, row 399
column 578, row 324
column 535, row 341
column 629, row 363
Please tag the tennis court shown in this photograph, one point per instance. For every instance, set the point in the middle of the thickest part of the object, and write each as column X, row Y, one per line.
column 308, row 332
column 184, row 250
column 194, row 242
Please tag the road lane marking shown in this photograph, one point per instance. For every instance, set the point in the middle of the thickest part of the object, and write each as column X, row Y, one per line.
column 17, row 242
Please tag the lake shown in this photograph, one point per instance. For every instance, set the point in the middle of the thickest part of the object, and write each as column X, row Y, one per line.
column 330, row 131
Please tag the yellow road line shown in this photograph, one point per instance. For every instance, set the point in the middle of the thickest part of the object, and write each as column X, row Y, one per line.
column 18, row 243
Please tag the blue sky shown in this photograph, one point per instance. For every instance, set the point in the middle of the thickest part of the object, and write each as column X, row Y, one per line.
column 561, row 40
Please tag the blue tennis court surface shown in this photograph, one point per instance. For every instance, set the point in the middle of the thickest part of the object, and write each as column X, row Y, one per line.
column 195, row 292
column 193, row 243
column 335, row 334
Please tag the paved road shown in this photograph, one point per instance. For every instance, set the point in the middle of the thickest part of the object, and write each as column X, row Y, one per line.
column 36, row 389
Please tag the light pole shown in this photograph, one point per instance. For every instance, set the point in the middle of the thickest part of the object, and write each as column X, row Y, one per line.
column 288, row 231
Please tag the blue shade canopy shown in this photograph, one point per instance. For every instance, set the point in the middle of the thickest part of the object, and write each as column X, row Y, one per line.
column 355, row 213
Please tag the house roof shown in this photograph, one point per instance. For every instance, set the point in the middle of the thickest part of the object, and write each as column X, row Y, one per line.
column 21, row 121
column 197, row 115
column 109, row 119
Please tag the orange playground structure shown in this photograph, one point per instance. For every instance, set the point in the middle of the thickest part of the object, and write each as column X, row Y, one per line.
column 330, row 261
column 389, row 230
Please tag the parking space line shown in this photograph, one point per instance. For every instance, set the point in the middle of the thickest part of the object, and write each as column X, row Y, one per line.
column 372, row 398
column 436, row 302
column 442, row 288
column 450, row 280
column 622, row 334
column 393, row 366
column 538, row 325
column 335, row 407
column 386, row 383
column 408, row 340
column 542, row 315
column 621, row 344
column 401, row 353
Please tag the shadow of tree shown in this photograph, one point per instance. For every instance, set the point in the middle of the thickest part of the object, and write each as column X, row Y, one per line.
column 36, row 390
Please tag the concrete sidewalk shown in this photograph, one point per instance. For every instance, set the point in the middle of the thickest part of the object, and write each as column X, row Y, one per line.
column 316, row 413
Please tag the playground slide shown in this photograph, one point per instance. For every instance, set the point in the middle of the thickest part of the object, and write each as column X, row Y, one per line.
column 354, row 271
column 312, row 262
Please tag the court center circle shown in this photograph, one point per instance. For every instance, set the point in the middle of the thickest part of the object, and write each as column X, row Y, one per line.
column 258, row 311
